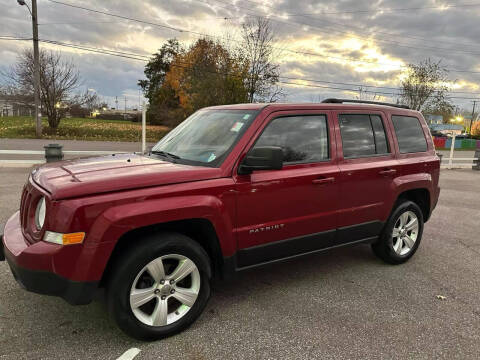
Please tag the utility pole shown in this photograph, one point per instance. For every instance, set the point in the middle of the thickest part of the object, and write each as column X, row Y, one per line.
column 125, row 112
column 36, row 71
column 473, row 113
column 116, row 102
column 36, row 66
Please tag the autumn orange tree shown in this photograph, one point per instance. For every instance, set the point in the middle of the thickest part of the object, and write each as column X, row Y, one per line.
column 181, row 81
column 475, row 128
column 205, row 75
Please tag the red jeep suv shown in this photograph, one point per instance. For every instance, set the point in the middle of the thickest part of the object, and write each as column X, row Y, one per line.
column 230, row 188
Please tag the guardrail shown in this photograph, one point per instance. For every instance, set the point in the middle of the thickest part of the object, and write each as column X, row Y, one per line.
column 452, row 163
column 77, row 152
column 446, row 163
column 31, row 162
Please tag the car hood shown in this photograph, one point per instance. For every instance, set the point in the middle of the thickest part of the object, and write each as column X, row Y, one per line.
column 94, row 175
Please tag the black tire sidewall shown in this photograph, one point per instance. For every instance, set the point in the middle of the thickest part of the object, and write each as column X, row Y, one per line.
column 386, row 242
column 128, row 266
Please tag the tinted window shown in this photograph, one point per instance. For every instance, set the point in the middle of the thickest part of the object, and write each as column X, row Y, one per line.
column 362, row 135
column 302, row 138
column 409, row 134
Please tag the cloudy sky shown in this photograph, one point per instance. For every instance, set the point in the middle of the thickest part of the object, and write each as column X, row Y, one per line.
column 340, row 44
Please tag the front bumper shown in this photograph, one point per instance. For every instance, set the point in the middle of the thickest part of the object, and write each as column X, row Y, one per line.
column 33, row 266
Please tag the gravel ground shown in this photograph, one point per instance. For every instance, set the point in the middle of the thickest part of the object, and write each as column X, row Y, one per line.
column 343, row 304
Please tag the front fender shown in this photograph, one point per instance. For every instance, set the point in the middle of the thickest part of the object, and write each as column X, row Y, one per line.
column 118, row 220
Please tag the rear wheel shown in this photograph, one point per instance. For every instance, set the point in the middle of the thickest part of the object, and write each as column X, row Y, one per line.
column 402, row 234
column 160, row 286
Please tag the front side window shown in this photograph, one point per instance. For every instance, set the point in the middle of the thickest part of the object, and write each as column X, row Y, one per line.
column 206, row 137
column 409, row 133
column 302, row 138
column 362, row 135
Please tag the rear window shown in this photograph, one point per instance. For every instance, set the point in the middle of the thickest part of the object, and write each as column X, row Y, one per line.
column 362, row 135
column 409, row 133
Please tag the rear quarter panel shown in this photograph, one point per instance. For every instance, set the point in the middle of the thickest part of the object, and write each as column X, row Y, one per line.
column 417, row 170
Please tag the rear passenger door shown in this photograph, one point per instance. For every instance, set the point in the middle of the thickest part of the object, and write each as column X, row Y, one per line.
column 367, row 168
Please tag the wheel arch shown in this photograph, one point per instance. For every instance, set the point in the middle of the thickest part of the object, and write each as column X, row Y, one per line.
column 420, row 196
column 199, row 230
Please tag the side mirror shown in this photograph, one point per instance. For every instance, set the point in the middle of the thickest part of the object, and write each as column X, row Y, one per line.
column 262, row 158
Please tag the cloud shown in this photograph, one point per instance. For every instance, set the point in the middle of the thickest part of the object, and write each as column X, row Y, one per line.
column 382, row 41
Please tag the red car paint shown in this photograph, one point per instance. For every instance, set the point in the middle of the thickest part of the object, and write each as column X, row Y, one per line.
column 107, row 197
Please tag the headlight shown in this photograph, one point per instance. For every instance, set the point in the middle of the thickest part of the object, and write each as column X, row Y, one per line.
column 40, row 213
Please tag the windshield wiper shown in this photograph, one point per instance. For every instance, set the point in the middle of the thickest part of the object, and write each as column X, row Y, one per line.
column 165, row 154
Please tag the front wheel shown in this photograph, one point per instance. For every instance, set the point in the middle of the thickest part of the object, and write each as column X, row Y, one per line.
column 160, row 286
column 402, row 234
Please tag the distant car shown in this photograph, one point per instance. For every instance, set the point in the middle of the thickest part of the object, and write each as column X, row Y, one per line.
column 437, row 133
column 230, row 188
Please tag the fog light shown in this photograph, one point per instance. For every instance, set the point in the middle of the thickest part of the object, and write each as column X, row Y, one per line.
column 64, row 239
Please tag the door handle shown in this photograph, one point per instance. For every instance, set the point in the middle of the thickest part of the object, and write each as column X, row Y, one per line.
column 327, row 180
column 388, row 172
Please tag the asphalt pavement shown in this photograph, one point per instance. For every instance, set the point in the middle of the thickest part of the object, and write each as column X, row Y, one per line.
column 342, row 304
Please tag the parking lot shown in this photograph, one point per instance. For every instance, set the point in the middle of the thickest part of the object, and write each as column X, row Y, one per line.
column 341, row 304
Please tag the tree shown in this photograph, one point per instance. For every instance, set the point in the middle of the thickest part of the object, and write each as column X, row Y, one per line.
column 257, row 49
column 425, row 85
column 206, row 75
column 163, row 103
column 158, row 67
column 181, row 81
column 58, row 79
column 441, row 106
column 475, row 131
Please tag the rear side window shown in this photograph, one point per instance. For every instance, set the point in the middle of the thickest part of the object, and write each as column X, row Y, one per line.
column 302, row 138
column 362, row 135
column 409, row 133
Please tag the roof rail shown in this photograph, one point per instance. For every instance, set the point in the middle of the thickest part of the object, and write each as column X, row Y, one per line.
column 341, row 101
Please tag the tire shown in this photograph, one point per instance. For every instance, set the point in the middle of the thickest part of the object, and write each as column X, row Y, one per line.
column 398, row 249
column 131, row 283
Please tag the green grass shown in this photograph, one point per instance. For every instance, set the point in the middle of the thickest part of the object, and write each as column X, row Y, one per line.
column 14, row 127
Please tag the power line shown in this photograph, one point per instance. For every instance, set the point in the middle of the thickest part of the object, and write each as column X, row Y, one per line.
column 122, row 17
column 335, row 24
column 366, row 91
column 145, row 58
column 79, row 22
column 377, row 10
column 8, row 37
column 210, row 36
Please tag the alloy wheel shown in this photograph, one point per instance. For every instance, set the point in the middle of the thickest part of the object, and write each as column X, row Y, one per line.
column 405, row 233
column 165, row 290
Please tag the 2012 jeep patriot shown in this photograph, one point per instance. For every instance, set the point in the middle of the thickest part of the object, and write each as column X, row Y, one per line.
column 230, row 188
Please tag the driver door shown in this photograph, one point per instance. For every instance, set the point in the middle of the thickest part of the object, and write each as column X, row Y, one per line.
column 293, row 210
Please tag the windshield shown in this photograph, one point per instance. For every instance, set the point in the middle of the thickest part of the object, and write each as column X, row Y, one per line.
column 206, row 137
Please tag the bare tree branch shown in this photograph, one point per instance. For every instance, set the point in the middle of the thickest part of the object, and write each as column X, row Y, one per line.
column 257, row 48
column 59, row 78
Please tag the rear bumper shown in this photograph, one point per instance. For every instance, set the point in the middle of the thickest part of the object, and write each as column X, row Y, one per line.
column 33, row 267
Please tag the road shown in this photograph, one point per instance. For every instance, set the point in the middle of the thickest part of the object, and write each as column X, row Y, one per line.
column 344, row 304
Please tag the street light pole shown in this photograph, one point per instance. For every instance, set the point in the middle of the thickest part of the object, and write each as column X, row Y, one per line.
column 36, row 66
